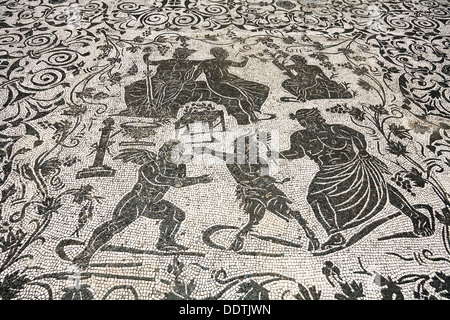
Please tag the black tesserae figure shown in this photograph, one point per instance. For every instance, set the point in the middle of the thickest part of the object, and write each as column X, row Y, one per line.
column 350, row 187
column 156, row 175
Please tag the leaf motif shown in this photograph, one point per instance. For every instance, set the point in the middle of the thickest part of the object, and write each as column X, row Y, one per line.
column 100, row 96
column 12, row 284
column 253, row 291
column 304, row 293
column 133, row 70
column 30, row 131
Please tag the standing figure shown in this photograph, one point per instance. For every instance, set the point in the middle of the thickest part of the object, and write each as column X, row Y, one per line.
column 308, row 82
column 349, row 187
column 256, row 190
column 157, row 174
column 247, row 96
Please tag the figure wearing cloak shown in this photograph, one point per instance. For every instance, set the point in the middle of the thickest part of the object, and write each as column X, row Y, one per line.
column 350, row 187
column 169, row 88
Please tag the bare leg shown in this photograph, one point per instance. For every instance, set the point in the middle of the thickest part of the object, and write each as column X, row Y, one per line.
column 421, row 223
column 172, row 217
column 326, row 215
column 280, row 207
column 313, row 241
column 256, row 212
column 125, row 213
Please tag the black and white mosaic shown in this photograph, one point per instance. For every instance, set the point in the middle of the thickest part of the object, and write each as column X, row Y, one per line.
column 190, row 149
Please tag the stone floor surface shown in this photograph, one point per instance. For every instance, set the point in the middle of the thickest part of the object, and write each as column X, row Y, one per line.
column 213, row 149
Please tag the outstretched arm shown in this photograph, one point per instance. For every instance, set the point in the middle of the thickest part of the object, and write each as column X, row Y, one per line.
column 152, row 173
column 189, row 181
column 218, row 154
column 296, row 151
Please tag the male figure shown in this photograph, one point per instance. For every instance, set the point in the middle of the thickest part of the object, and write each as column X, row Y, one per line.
column 349, row 187
column 256, row 190
column 309, row 82
column 170, row 87
column 156, row 176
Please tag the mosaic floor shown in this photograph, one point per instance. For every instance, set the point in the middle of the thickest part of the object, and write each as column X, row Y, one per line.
column 187, row 149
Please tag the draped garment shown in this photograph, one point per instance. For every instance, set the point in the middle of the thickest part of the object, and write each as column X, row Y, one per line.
column 355, row 191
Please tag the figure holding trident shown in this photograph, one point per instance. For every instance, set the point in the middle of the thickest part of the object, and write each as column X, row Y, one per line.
column 163, row 92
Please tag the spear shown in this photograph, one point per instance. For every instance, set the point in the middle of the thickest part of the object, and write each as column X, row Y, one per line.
column 149, row 83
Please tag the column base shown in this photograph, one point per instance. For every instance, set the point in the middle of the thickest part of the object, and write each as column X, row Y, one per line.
column 103, row 171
